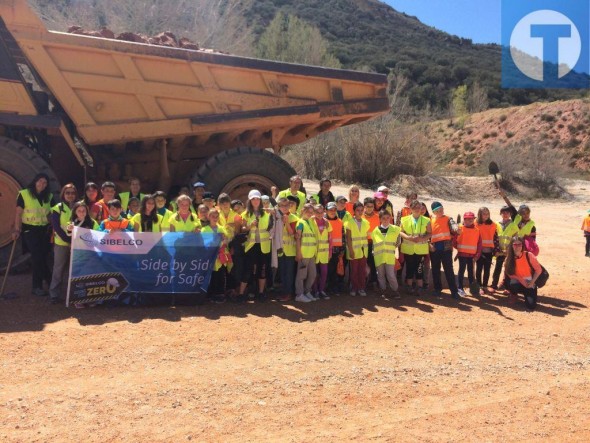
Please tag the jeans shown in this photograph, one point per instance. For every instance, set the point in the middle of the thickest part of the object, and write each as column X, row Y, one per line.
column 530, row 294
column 444, row 258
column 484, row 265
column 498, row 270
column 287, row 273
column 465, row 263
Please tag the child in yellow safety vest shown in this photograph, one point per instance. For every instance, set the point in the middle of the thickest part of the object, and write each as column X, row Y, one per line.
column 306, row 240
column 223, row 263
column 468, row 245
column 586, row 229
column 357, row 249
column 323, row 230
column 385, row 241
column 373, row 218
column 489, row 244
column 506, row 229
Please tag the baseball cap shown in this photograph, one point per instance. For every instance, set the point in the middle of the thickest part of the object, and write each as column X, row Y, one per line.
column 382, row 189
column 332, row 205
column 198, row 185
column 468, row 214
column 436, row 205
column 379, row 195
column 208, row 196
column 505, row 208
column 341, row 197
column 265, row 197
column 254, row 193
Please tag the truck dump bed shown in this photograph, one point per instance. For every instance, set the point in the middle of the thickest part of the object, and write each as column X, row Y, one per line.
column 116, row 91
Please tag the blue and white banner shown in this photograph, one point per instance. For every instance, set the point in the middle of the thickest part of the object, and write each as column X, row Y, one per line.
column 104, row 265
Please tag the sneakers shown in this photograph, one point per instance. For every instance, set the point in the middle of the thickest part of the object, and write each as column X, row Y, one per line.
column 353, row 293
column 362, row 293
column 218, row 298
column 437, row 294
column 323, row 295
column 302, row 298
column 39, row 292
column 420, row 291
column 455, row 296
column 311, row 297
column 396, row 295
column 261, row 297
column 284, row 297
column 461, row 292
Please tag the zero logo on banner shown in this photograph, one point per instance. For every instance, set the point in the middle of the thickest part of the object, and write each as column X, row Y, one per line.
column 545, row 44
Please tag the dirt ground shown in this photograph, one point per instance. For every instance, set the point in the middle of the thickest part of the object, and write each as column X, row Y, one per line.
column 365, row 369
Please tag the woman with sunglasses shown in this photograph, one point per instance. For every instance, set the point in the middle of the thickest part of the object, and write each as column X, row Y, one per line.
column 60, row 219
column 521, row 272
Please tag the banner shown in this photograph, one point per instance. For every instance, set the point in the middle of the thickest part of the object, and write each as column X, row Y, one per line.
column 105, row 265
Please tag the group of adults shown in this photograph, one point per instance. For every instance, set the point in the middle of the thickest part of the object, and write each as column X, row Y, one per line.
column 302, row 247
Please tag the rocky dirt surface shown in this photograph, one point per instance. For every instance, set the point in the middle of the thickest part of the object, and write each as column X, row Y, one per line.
column 366, row 369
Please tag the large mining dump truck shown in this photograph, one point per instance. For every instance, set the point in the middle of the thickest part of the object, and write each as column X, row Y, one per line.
column 87, row 108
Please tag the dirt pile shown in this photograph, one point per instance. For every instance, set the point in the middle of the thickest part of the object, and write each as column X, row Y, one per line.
column 166, row 38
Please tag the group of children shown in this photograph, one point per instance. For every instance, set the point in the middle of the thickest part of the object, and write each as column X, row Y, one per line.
column 309, row 249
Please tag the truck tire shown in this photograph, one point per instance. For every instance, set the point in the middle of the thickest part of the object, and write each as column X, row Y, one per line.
column 18, row 166
column 239, row 170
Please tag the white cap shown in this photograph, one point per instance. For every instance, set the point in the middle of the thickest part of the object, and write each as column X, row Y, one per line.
column 254, row 193
column 382, row 188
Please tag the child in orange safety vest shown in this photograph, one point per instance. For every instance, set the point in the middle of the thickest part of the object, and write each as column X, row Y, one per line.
column 115, row 222
column 468, row 244
column 489, row 244
column 586, row 229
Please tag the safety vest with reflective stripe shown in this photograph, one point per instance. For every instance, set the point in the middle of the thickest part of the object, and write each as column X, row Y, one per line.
column 440, row 229
column 384, row 245
column 468, row 240
column 300, row 195
column 125, row 196
column 289, row 244
column 526, row 229
column 34, row 213
column 409, row 247
column 360, row 244
column 487, row 231
column 229, row 222
column 262, row 230
column 65, row 214
column 505, row 234
column 190, row 225
column 309, row 238
column 373, row 220
column 323, row 255
column 156, row 227
column 224, row 249
column 336, row 231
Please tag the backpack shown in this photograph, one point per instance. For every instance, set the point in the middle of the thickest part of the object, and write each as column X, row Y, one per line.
column 530, row 244
column 542, row 279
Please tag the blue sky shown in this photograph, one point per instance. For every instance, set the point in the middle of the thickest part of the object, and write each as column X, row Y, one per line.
column 478, row 20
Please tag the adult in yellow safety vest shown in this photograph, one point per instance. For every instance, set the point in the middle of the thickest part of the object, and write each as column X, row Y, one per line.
column 134, row 191
column 386, row 238
column 294, row 190
column 257, row 224
column 357, row 249
column 61, row 215
column 415, row 233
column 33, row 206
